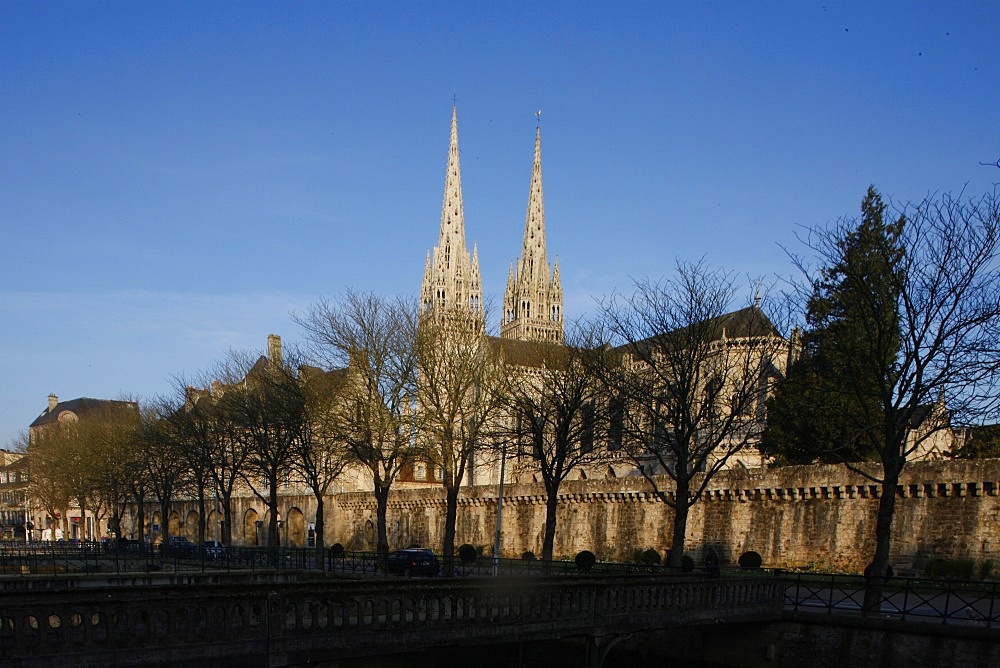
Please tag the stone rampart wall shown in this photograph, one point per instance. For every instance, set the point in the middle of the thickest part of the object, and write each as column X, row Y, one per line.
column 792, row 516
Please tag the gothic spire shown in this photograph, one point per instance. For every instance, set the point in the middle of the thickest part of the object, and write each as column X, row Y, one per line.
column 451, row 278
column 533, row 300
column 452, row 213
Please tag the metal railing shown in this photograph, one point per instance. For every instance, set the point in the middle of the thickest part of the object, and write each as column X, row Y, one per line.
column 66, row 559
column 966, row 603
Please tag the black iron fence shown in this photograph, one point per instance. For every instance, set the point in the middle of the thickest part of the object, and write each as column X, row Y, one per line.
column 72, row 558
column 965, row 603
column 66, row 558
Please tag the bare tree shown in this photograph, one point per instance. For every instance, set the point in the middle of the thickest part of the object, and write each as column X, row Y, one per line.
column 936, row 306
column 114, row 463
column 212, row 445
column 267, row 411
column 320, row 453
column 461, row 386
column 47, row 481
column 193, row 438
column 557, row 411
column 374, row 340
column 690, row 390
column 165, row 468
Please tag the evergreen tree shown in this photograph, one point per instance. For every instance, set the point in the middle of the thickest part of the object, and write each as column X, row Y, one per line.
column 903, row 315
column 981, row 442
column 829, row 408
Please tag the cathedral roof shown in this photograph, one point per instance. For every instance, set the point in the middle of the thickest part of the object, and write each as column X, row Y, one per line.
column 744, row 323
column 328, row 379
column 749, row 321
column 536, row 354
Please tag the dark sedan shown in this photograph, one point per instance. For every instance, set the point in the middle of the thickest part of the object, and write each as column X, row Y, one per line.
column 413, row 561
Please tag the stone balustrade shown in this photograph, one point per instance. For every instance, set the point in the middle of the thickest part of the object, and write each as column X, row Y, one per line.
column 283, row 623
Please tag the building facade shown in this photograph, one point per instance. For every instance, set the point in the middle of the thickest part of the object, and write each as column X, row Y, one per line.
column 53, row 509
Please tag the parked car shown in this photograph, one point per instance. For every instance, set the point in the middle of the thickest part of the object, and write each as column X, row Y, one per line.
column 413, row 561
column 213, row 549
column 178, row 546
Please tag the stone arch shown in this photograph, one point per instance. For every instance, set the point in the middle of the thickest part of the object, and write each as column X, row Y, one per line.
column 213, row 526
column 174, row 523
column 250, row 528
column 191, row 526
column 154, row 520
column 265, row 528
column 295, row 528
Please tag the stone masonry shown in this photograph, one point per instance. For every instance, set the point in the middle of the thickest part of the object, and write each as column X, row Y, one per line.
column 794, row 516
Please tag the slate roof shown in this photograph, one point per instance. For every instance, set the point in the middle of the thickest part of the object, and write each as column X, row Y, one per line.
column 81, row 407
column 744, row 323
column 531, row 353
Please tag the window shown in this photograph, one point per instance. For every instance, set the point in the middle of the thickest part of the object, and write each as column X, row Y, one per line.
column 420, row 471
column 617, row 426
column 587, row 439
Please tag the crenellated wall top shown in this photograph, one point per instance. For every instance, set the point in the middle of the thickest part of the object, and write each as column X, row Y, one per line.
column 789, row 483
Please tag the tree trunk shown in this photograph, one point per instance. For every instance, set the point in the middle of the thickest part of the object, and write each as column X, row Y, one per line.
column 140, row 516
column 227, row 518
column 549, row 537
column 681, row 509
column 83, row 518
column 164, row 521
column 320, row 525
column 201, row 514
column 273, row 539
column 382, row 539
column 450, row 520
column 878, row 571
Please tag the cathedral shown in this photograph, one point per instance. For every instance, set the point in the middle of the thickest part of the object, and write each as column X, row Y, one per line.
column 532, row 319
column 532, row 303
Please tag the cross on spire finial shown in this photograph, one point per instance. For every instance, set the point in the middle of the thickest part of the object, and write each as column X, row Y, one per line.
column 538, row 118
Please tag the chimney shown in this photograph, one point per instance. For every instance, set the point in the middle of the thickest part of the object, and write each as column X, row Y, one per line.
column 274, row 349
column 53, row 402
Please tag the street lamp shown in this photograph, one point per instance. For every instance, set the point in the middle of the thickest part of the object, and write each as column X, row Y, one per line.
column 496, row 539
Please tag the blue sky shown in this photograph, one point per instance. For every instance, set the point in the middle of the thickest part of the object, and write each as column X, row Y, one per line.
column 177, row 178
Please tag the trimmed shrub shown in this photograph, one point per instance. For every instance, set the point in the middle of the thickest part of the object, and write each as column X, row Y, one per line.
column 935, row 568
column 336, row 550
column 687, row 564
column 750, row 560
column 649, row 557
column 528, row 556
column 467, row 553
column 964, row 569
column 585, row 560
column 953, row 569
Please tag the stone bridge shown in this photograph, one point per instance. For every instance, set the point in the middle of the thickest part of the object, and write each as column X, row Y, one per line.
column 282, row 623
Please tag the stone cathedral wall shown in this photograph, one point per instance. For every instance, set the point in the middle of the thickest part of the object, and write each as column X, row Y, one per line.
column 793, row 516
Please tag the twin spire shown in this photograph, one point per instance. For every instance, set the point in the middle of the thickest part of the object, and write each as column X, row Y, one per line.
column 452, row 286
column 532, row 303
